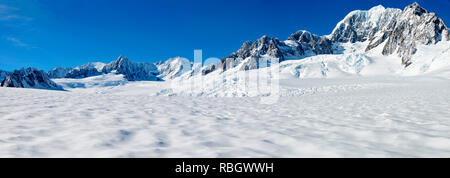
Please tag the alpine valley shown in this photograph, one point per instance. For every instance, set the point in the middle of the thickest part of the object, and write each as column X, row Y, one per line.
column 377, row 86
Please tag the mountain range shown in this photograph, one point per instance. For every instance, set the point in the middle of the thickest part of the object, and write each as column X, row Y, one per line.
column 394, row 32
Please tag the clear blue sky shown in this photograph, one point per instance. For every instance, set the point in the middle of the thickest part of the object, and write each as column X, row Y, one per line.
column 49, row 33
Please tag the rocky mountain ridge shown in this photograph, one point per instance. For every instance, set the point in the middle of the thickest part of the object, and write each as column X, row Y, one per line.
column 399, row 30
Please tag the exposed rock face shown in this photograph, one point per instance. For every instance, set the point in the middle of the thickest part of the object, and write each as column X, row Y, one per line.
column 29, row 78
column 399, row 31
column 265, row 46
column 415, row 25
column 301, row 43
column 133, row 71
column 395, row 31
column 306, row 41
column 208, row 69
column 59, row 72
column 3, row 75
column 87, row 70
column 359, row 26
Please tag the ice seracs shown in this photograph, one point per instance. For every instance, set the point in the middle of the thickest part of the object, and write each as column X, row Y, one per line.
column 29, row 78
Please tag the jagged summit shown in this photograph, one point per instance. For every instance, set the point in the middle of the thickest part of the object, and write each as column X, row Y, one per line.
column 122, row 59
column 59, row 72
column 122, row 65
column 391, row 31
column 414, row 26
column 416, row 9
column 303, row 35
column 86, row 70
column 399, row 30
column 29, row 78
column 131, row 70
column 301, row 43
column 174, row 67
column 359, row 25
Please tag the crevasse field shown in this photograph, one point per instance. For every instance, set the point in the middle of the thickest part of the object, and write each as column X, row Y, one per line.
column 348, row 105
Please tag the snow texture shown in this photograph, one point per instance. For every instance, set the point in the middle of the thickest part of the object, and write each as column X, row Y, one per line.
column 342, row 117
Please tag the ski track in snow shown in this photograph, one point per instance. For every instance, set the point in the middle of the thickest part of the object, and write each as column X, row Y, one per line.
column 378, row 117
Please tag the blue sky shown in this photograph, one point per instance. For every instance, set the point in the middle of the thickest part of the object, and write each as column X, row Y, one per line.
column 49, row 33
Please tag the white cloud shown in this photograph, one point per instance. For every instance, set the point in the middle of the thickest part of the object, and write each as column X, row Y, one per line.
column 8, row 13
column 17, row 42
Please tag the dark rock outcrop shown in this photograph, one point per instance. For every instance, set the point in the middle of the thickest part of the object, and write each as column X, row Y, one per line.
column 3, row 75
column 133, row 71
column 414, row 26
column 87, row 70
column 29, row 78
column 59, row 72
column 299, row 44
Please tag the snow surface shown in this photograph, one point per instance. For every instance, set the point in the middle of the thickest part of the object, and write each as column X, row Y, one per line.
column 335, row 117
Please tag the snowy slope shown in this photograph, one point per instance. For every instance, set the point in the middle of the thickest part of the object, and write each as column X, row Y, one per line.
column 398, row 32
column 365, row 42
column 353, row 62
column 364, row 117
column 106, row 80
column 174, row 67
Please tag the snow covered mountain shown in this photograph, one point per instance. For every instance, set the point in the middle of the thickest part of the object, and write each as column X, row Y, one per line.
column 86, row 70
column 359, row 25
column 414, row 26
column 59, row 72
column 399, row 32
column 131, row 70
column 299, row 44
column 29, row 78
column 379, row 41
column 174, row 67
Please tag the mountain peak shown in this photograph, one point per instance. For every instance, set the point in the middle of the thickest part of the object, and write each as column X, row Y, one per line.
column 378, row 8
column 415, row 4
column 29, row 78
column 416, row 9
column 122, row 58
column 131, row 70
